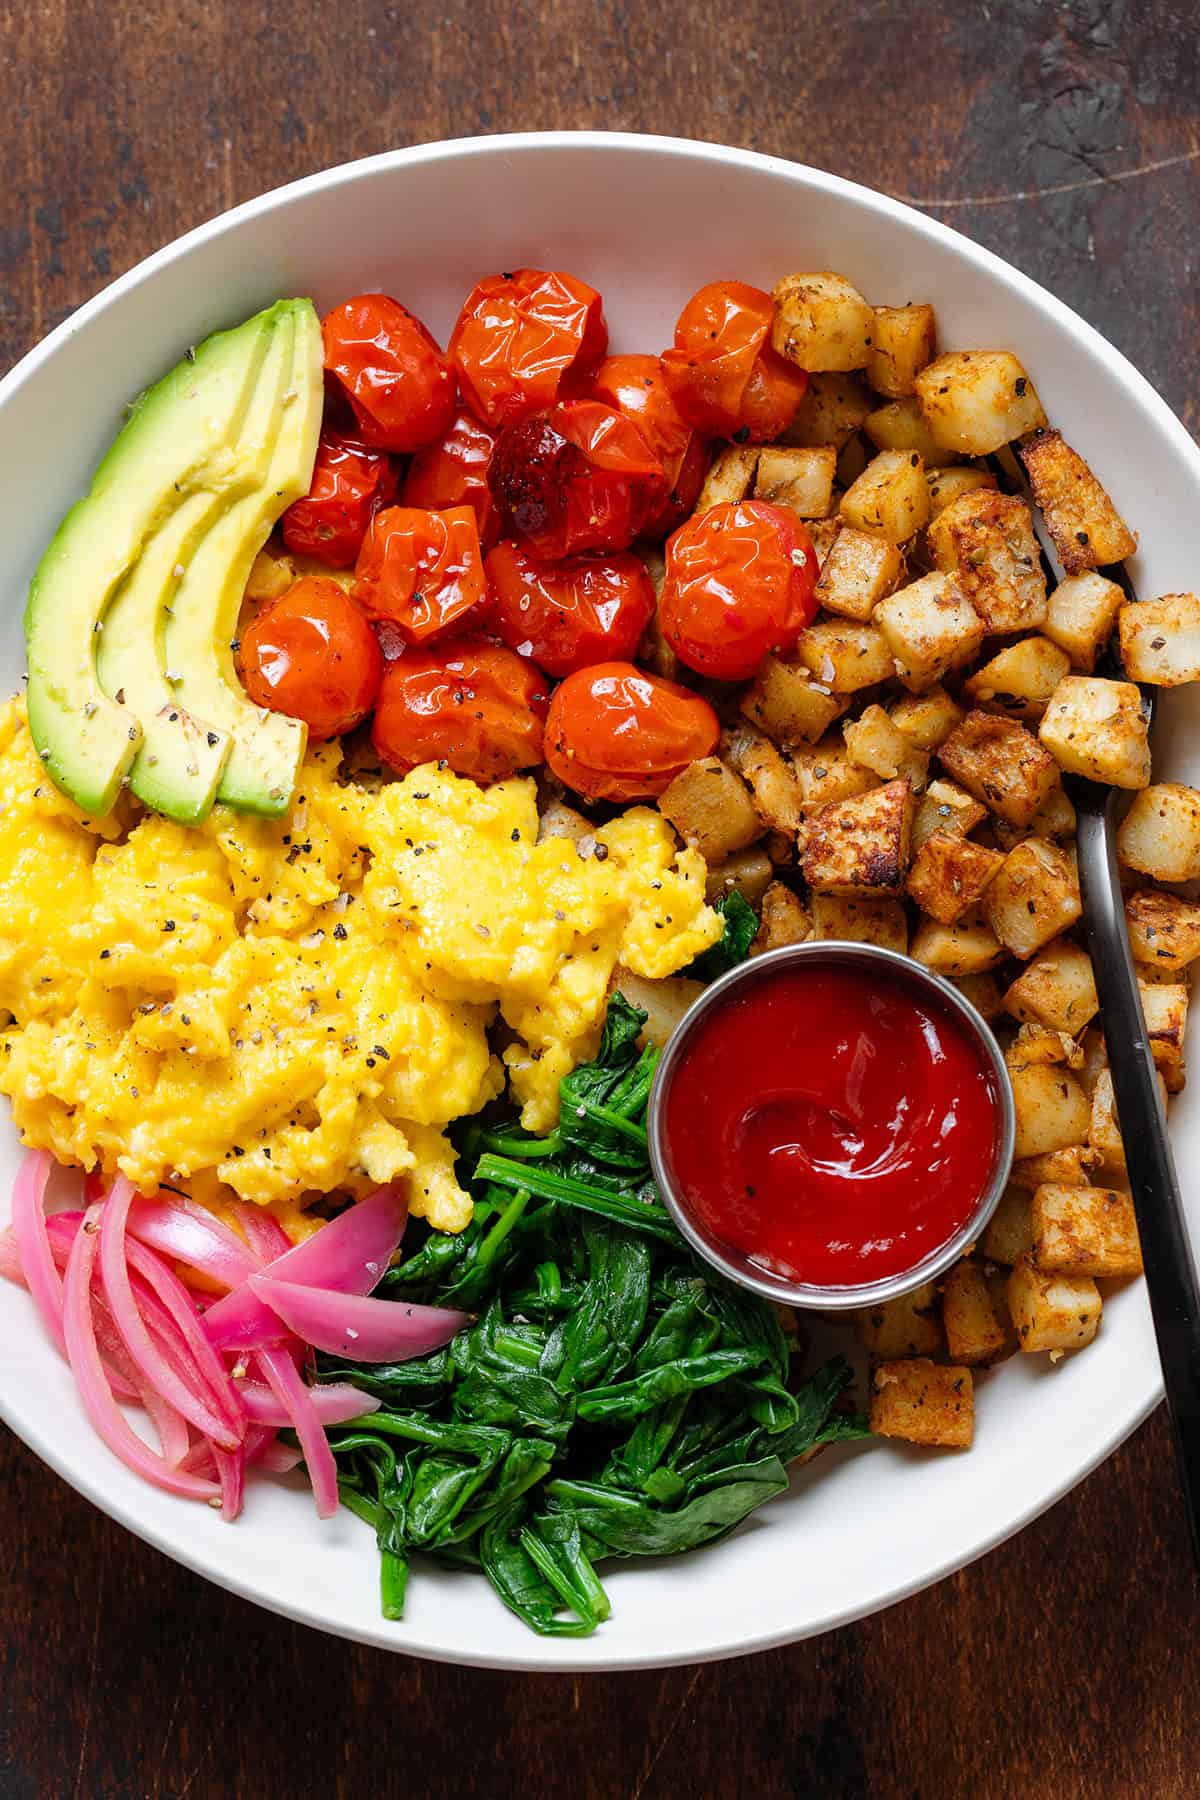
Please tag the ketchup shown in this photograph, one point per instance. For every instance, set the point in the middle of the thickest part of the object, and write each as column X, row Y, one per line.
column 836, row 1124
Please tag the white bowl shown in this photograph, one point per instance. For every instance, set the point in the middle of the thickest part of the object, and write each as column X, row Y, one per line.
column 646, row 220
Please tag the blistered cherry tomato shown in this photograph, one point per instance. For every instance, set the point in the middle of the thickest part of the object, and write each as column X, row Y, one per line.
column 637, row 386
column 616, row 733
column 350, row 482
column 740, row 581
column 311, row 654
column 524, row 340
column 577, row 478
column 422, row 571
column 398, row 381
column 722, row 372
column 680, row 502
column 453, row 472
column 469, row 703
column 565, row 615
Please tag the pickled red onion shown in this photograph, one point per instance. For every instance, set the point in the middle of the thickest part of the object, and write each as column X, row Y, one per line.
column 353, row 1326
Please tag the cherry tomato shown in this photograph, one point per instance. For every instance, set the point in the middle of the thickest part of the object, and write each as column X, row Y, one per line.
column 453, row 472
column 722, row 372
column 311, row 654
column 520, row 336
column 350, row 482
column 637, row 386
column 616, row 733
column 679, row 504
column 469, row 703
column 421, row 570
column 577, row 478
column 740, row 581
column 395, row 377
column 566, row 615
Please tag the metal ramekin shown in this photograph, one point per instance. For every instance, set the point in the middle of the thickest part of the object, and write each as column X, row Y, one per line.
column 734, row 1263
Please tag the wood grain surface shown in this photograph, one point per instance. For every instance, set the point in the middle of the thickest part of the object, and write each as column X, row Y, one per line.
column 1065, row 137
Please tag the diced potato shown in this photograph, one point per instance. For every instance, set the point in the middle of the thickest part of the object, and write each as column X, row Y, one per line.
column 1019, row 681
column 968, row 947
column 799, row 478
column 1070, row 1167
column 1160, row 834
column 845, row 656
column 784, row 919
column 859, row 569
column 663, row 1001
column 558, row 820
column 269, row 577
column 924, row 1402
column 975, row 1315
column 900, row 425
column 948, row 485
column 655, row 652
column 1097, row 728
column 877, row 744
column 822, row 533
column 1080, row 616
column 1052, row 1312
column 861, row 845
column 977, row 400
column 1165, row 1010
column 930, row 629
column 890, row 496
column 1160, row 640
column 1163, row 930
column 1057, row 988
column 1055, row 817
column 784, row 701
column 1052, row 1108
column 1009, row 1233
column 1002, row 764
column 853, row 458
column 949, row 874
column 1153, row 976
column 928, row 718
column 780, row 847
column 1087, row 529
column 983, row 991
column 771, row 780
column 945, row 807
column 987, row 539
column 1095, row 1059
column 1033, row 898
column 822, row 322
column 1085, row 1231
column 904, row 339
column 1042, row 1044
column 711, row 809
column 825, row 773
column 882, row 922
column 731, row 476
column 831, row 410
column 747, row 872
column 906, row 1326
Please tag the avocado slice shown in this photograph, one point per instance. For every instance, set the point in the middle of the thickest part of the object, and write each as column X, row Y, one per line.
column 282, row 427
column 174, row 445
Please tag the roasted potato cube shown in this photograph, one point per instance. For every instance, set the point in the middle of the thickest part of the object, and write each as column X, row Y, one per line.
column 975, row 1314
column 784, row 701
column 1160, row 640
column 1080, row 616
column 904, row 339
column 977, row 400
column 1009, row 1233
column 771, row 780
column 1036, row 1043
column 731, row 476
column 1054, row 818
column 558, row 820
column 663, row 1001
column 1163, row 930
column 711, row 809
column 948, row 485
column 1069, row 1167
column 875, row 742
column 1165, row 1010
column 1019, row 680
column 269, row 577
column 1097, row 728
column 1085, row 1231
column 860, row 568
column 968, row 947
column 987, row 539
column 1052, row 1108
column 945, row 807
column 1057, row 988
column 1052, row 1312
column 822, row 322
column 882, row 922
column 949, row 874
column 845, row 656
column 747, row 872
column 784, row 919
column 983, row 991
column 1033, row 898
column 900, row 425
column 890, row 496
column 1160, row 834
column 928, row 718
column 1153, row 976
column 906, row 1326
column 800, row 479
column 822, row 533
column 831, row 410
column 825, row 773
column 924, row 1402
column 1002, row 764
column 861, row 845
column 930, row 629
column 1087, row 529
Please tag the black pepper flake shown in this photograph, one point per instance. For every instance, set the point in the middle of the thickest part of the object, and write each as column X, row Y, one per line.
column 370, row 1062
column 742, row 435
column 601, row 853
column 168, row 924
column 340, row 932
column 266, row 1152
column 1020, row 386
column 104, row 955
column 378, row 1050
column 516, row 836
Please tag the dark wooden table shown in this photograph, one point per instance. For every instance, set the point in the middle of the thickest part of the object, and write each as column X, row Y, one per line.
column 1065, row 137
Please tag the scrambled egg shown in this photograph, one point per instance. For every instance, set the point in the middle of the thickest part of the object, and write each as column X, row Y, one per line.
column 285, row 1008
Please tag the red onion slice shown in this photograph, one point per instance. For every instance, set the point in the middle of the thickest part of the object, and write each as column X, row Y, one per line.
column 358, row 1328
column 283, row 1378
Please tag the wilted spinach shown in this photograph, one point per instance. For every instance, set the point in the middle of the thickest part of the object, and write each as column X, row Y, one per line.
column 733, row 945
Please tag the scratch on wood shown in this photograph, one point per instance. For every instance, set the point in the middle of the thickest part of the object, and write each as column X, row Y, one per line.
column 667, row 1735
column 90, row 1694
column 1058, row 187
